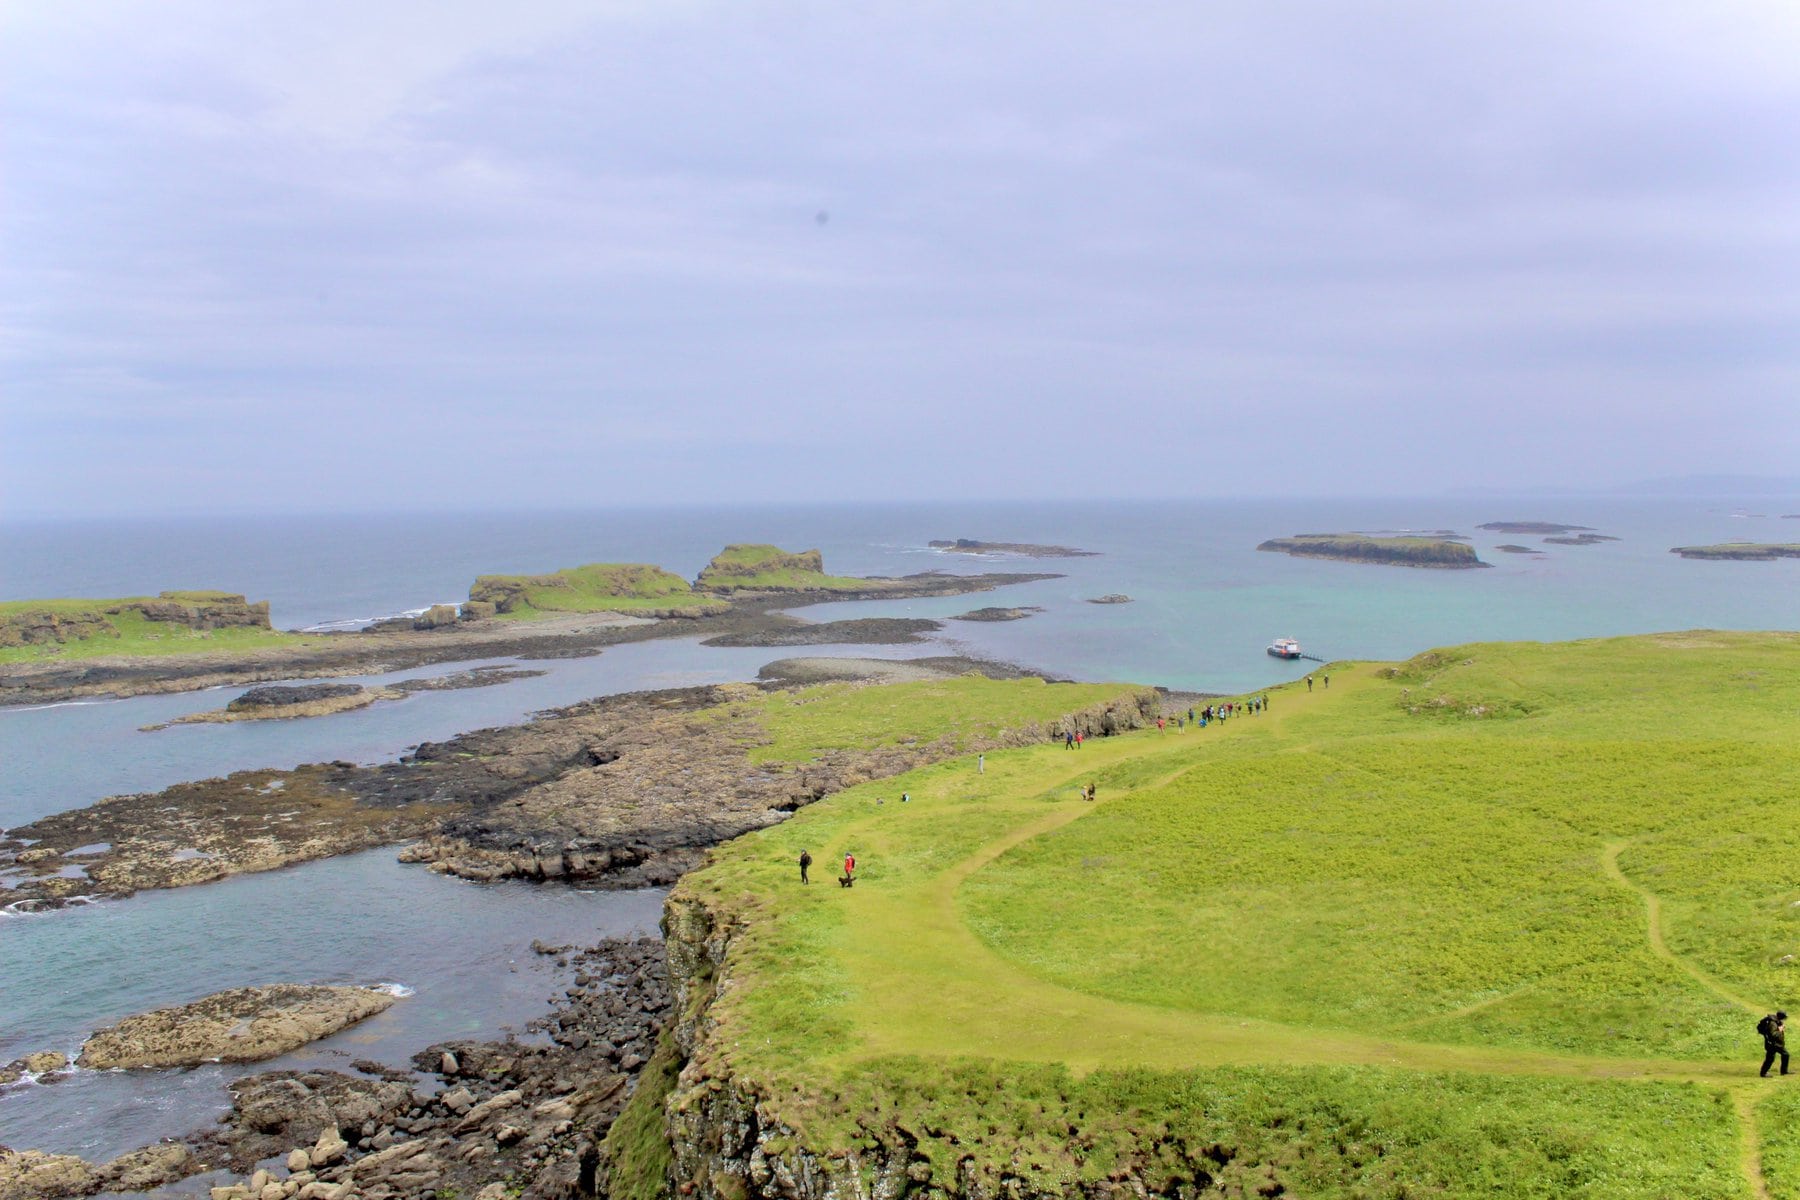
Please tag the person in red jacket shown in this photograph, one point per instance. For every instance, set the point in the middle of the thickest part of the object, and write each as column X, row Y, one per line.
column 849, row 866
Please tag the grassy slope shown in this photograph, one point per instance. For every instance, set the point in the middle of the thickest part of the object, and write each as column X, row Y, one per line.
column 601, row 587
column 1369, row 877
column 136, row 634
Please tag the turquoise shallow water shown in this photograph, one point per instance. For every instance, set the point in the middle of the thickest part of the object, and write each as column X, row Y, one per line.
column 1206, row 603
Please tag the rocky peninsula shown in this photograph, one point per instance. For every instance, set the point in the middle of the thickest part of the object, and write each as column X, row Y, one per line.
column 1430, row 552
column 61, row 654
column 621, row 791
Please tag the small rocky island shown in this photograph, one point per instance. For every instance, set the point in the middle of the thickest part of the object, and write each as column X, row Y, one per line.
column 1579, row 539
column 1740, row 551
column 1024, row 549
column 1111, row 598
column 997, row 614
column 1534, row 527
column 1438, row 552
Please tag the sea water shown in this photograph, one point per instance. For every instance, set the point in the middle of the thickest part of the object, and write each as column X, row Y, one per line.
column 1204, row 605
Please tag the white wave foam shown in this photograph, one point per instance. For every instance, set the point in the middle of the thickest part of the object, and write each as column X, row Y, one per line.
column 40, row 907
column 399, row 990
column 58, row 704
column 351, row 624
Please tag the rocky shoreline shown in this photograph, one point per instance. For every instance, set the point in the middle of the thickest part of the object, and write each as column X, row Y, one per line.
column 623, row 791
column 385, row 651
column 480, row 1119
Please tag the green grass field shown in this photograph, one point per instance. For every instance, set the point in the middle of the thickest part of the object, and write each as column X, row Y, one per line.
column 593, row 587
column 1496, row 921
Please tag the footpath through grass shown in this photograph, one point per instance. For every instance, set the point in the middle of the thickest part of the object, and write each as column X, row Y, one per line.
column 1495, row 921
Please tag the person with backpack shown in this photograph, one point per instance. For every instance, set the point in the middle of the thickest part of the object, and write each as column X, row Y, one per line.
column 1774, row 1035
column 805, row 862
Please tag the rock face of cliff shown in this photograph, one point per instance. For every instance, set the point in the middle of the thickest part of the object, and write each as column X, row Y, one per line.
column 36, row 623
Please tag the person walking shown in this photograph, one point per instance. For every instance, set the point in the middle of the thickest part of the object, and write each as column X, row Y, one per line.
column 981, row 764
column 849, row 865
column 805, row 862
column 1309, row 683
column 1774, row 1033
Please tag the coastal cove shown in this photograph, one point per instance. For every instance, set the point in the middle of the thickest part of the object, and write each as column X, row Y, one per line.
column 1204, row 605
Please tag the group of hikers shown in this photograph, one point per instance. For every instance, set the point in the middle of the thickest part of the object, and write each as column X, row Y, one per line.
column 847, row 879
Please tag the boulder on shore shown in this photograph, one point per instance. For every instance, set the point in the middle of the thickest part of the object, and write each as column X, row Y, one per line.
column 240, row 1025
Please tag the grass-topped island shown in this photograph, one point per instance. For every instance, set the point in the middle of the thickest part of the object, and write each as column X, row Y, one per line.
column 1386, row 551
column 66, row 648
column 1741, row 551
column 1497, row 921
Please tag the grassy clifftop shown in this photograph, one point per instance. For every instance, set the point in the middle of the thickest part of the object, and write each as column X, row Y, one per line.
column 763, row 568
column 1394, row 551
column 173, row 622
column 1498, row 920
column 595, row 587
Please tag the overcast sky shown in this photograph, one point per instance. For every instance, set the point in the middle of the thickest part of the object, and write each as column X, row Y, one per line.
column 443, row 254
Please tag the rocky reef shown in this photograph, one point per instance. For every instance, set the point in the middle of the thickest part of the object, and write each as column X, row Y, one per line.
column 861, row 631
column 240, row 1025
column 1024, row 549
column 997, row 614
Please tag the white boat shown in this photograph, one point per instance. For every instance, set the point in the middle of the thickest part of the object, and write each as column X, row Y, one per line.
column 1285, row 648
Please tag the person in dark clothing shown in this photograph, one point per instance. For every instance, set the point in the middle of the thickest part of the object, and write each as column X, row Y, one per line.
column 805, row 862
column 1774, row 1031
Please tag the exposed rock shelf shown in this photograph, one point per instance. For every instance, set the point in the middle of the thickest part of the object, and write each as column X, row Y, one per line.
column 241, row 1025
